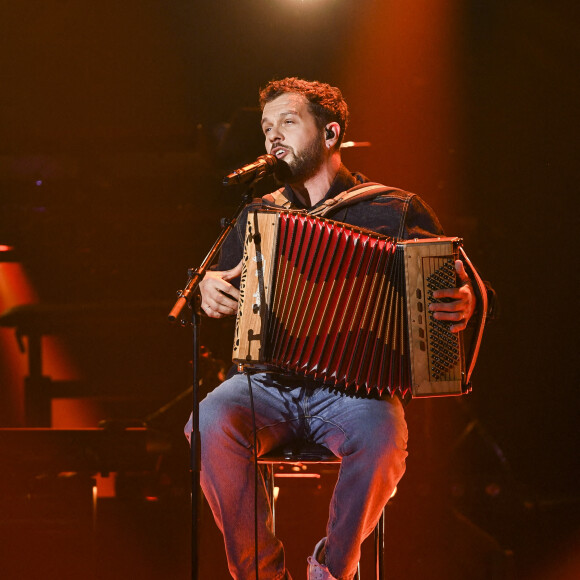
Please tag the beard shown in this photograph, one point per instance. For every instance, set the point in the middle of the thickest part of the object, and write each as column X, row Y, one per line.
column 303, row 165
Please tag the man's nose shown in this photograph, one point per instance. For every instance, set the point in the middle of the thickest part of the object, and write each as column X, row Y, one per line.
column 274, row 135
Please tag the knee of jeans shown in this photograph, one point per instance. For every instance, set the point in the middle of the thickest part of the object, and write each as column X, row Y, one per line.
column 212, row 417
column 218, row 422
column 388, row 459
column 387, row 445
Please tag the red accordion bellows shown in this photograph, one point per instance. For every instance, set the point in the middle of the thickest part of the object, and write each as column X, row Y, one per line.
column 330, row 304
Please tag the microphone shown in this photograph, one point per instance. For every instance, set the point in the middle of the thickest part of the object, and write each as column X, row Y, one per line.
column 264, row 165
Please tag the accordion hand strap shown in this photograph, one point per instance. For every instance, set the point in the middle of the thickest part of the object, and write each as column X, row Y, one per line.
column 481, row 314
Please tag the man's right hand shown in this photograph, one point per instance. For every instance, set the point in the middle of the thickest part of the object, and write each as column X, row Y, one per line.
column 218, row 297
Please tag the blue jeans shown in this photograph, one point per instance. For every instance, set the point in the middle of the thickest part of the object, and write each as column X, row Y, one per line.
column 370, row 436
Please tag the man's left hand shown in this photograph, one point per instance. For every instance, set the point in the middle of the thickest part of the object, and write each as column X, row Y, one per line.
column 462, row 305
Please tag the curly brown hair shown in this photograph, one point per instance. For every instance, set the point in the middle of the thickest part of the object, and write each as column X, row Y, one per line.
column 326, row 102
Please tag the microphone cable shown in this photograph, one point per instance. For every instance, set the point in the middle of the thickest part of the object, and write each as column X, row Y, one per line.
column 255, row 444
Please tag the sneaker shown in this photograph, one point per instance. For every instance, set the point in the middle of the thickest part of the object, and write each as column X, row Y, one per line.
column 316, row 570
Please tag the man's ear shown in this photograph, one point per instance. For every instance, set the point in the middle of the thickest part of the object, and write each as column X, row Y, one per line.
column 331, row 134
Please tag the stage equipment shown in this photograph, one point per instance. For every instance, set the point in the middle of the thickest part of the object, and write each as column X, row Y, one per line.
column 103, row 450
column 33, row 322
column 350, row 307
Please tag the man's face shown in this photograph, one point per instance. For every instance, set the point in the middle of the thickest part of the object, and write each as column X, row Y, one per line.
column 293, row 137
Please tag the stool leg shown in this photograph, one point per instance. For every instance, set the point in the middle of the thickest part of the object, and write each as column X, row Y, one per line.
column 268, row 473
column 272, row 498
column 380, row 547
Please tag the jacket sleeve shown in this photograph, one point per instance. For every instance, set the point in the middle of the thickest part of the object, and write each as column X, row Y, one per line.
column 421, row 221
column 233, row 246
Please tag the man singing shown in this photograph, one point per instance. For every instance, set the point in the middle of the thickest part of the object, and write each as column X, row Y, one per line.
column 303, row 124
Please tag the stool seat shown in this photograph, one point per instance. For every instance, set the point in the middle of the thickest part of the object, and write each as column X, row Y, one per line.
column 299, row 452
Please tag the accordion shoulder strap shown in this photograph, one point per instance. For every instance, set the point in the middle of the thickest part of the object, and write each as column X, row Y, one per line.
column 348, row 197
column 351, row 196
column 278, row 199
column 361, row 192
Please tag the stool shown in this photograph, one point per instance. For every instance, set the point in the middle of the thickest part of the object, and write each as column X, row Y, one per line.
column 305, row 452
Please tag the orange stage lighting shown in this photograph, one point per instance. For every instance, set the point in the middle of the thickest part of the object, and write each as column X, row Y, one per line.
column 401, row 79
column 16, row 290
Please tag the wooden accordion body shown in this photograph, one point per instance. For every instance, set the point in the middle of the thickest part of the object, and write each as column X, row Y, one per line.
column 347, row 306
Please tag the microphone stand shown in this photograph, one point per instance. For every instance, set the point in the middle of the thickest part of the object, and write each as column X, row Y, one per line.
column 190, row 296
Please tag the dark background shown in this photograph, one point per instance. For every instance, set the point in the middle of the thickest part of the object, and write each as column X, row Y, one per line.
column 118, row 121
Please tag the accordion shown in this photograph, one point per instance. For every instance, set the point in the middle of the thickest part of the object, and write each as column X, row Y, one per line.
column 349, row 307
